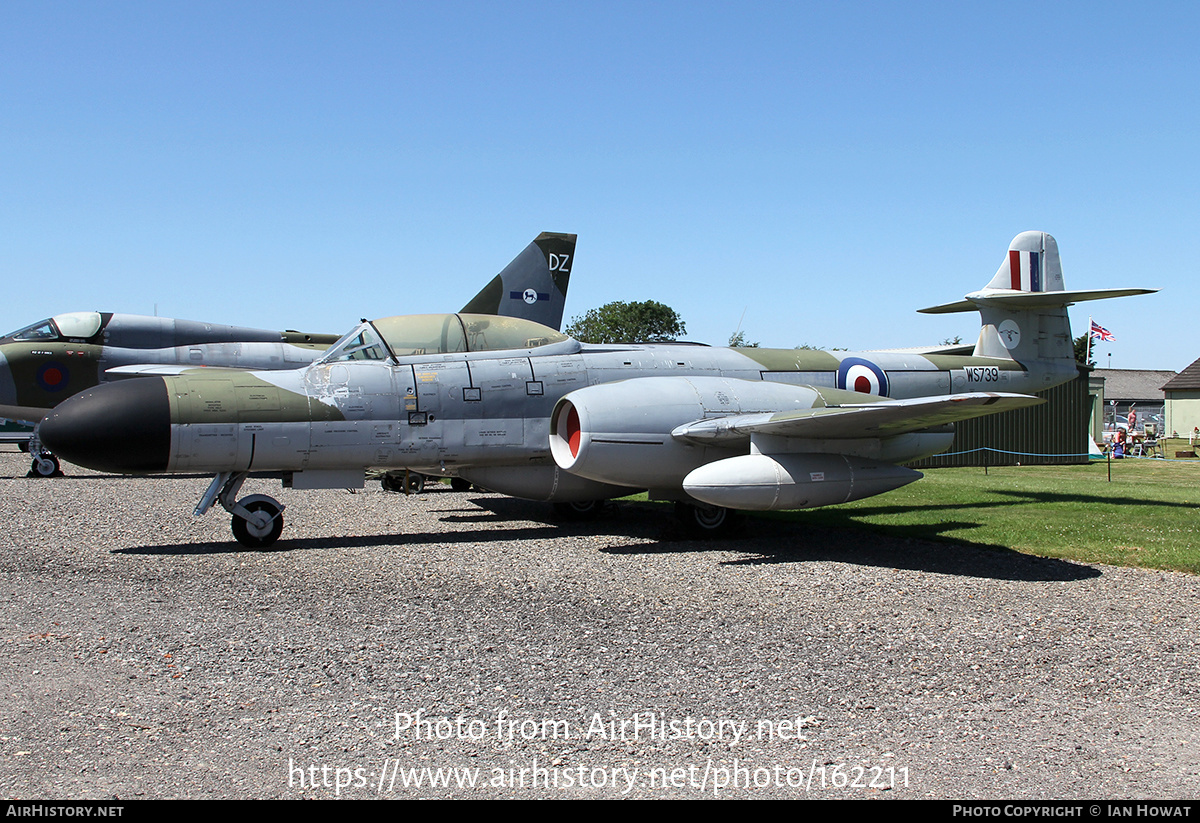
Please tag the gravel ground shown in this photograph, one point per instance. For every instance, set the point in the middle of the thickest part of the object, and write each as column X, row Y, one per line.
column 147, row 655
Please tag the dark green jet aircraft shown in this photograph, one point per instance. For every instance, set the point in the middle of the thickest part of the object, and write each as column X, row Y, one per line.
column 45, row 363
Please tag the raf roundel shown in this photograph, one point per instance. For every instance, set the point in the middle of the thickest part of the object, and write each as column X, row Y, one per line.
column 53, row 376
column 857, row 374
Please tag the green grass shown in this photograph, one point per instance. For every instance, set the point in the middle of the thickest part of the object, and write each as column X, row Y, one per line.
column 1148, row 516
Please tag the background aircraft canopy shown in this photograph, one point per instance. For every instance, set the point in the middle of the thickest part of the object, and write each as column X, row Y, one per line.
column 424, row 334
column 75, row 324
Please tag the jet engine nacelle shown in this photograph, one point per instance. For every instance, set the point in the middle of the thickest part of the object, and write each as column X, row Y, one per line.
column 620, row 433
column 762, row 482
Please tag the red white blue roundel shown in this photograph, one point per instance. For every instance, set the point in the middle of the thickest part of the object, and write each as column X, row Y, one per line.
column 53, row 376
column 856, row 374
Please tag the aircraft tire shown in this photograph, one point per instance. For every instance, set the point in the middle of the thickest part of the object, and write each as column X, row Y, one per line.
column 460, row 484
column 586, row 510
column 258, row 538
column 45, row 466
column 413, row 483
column 704, row 520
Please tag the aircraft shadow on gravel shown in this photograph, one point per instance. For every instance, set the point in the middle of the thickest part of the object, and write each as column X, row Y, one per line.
column 767, row 540
column 1019, row 498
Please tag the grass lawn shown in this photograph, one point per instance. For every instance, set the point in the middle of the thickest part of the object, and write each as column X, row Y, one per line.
column 1149, row 515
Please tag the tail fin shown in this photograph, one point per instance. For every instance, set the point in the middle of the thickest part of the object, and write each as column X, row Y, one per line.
column 1032, row 265
column 534, row 285
column 1024, row 307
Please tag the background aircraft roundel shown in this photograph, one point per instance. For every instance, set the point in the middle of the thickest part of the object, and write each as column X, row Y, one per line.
column 863, row 376
column 53, row 376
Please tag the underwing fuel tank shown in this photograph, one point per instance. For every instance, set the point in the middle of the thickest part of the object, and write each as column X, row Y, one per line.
column 782, row 482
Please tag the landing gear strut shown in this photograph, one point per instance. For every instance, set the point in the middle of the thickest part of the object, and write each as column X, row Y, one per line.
column 45, row 464
column 257, row 518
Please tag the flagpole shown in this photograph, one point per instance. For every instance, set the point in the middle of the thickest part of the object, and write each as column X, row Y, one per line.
column 1088, row 358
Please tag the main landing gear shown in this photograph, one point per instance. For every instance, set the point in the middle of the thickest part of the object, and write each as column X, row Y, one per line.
column 704, row 520
column 586, row 510
column 406, row 482
column 257, row 518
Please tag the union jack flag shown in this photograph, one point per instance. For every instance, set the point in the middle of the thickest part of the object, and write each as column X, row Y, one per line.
column 1101, row 333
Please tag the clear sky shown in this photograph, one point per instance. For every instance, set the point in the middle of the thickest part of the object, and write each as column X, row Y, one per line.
column 814, row 171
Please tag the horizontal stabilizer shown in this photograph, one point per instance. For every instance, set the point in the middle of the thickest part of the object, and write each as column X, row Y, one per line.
column 1006, row 298
column 956, row 349
column 883, row 418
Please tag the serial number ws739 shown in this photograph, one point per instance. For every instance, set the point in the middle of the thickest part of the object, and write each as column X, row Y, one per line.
column 982, row 374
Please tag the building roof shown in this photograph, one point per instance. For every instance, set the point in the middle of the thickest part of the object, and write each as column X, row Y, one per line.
column 1187, row 379
column 1137, row 385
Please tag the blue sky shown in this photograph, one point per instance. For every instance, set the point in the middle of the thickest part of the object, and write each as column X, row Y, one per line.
column 814, row 171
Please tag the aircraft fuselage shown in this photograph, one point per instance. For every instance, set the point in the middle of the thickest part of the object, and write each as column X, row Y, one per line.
column 456, row 413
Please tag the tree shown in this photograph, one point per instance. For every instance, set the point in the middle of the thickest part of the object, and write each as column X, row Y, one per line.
column 1081, row 348
column 646, row 322
column 738, row 341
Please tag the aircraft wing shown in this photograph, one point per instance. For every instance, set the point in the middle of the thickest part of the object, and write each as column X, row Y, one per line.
column 160, row 369
column 23, row 414
column 882, row 418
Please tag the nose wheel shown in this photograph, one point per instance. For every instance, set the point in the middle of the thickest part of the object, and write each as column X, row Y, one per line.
column 263, row 525
column 45, row 465
column 257, row 518
column 262, row 528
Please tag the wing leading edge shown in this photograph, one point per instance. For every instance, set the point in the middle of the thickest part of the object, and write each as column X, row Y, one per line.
column 882, row 418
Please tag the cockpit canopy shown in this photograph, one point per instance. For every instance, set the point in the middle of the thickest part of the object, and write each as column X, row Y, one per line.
column 71, row 325
column 423, row 334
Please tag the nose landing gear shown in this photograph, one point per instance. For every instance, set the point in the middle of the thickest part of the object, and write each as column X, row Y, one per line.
column 257, row 518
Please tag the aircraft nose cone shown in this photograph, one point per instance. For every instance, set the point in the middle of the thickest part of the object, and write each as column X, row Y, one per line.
column 120, row 427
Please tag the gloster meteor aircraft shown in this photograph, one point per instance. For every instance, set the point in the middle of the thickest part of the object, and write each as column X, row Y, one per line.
column 43, row 364
column 523, row 410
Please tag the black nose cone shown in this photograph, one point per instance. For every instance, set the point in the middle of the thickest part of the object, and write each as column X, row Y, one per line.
column 122, row 427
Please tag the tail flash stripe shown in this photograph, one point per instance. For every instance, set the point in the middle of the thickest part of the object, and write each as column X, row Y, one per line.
column 1025, row 270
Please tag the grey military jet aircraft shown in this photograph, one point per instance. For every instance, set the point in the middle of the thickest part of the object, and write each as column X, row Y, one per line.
column 43, row 364
column 521, row 409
